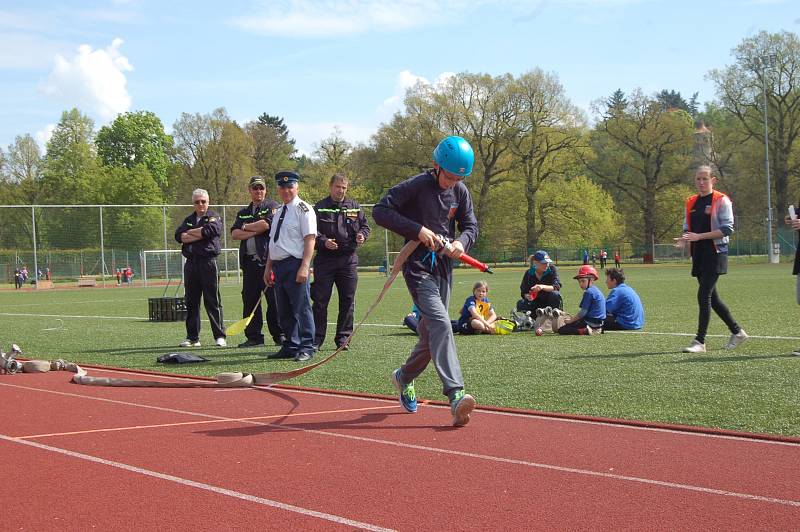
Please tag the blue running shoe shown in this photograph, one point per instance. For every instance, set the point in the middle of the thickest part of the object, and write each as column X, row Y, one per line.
column 408, row 397
column 461, row 407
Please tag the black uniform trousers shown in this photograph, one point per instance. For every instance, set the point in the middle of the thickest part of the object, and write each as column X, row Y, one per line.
column 253, row 286
column 201, row 278
column 341, row 270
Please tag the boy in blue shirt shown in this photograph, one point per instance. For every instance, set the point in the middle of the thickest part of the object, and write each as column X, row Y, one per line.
column 589, row 320
column 624, row 311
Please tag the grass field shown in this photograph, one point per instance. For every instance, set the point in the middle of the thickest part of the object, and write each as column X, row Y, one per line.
column 641, row 376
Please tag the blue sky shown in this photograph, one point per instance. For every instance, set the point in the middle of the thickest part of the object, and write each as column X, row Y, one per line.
column 324, row 64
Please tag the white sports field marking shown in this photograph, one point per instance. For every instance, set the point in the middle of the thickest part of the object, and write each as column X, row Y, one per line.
column 199, row 485
column 140, row 318
column 551, row 419
column 498, row 459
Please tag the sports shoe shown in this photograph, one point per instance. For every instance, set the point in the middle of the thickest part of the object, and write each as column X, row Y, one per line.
column 190, row 343
column 303, row 357
column 556, row 312
column 539, row 312
column 589, row 331
column 251, row 343
column 408, row 396
column 796, row 352
column 695, row 347
column 736, row 339
column 461, row 407
column 221, row 342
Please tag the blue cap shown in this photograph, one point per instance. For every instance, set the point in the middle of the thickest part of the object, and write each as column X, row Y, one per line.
column 542, row 256
column 286, row 179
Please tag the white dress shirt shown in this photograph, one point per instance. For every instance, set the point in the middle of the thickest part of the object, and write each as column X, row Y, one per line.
column 300, row 220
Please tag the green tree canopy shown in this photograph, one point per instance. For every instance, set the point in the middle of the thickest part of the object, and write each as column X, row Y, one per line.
column 137, row 138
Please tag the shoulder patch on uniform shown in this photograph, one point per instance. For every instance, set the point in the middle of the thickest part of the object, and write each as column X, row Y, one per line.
column 303, row 207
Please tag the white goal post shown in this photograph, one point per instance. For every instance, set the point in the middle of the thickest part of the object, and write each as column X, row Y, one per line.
column 166, row 265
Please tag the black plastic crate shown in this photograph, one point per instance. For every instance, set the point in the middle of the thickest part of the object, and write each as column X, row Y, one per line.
column 167, row 309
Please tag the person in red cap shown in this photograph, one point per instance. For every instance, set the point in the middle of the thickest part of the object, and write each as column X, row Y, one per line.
column 592, row 313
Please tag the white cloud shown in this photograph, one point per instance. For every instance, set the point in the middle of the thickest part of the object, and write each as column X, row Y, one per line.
column 405, row 80
column 331, row 18
column 93, row 80
column 43, row 137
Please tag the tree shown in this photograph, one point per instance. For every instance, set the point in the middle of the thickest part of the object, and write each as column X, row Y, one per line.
column 616, row 103
column 23, row 169
column 672, row 100
column 474, row 106
column 137, row 138
column 543, row 141
column 71, row 174
column 767, row 63
column 132, row 228
column 274, row 149
column 639, row 155
column 215, row 154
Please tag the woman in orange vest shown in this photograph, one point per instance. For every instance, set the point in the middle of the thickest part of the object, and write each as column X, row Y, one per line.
column 707, row 227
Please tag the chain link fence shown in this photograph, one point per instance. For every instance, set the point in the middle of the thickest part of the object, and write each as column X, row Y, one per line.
column 67, row 243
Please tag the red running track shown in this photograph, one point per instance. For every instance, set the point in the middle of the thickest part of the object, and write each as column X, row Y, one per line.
column 80, row 458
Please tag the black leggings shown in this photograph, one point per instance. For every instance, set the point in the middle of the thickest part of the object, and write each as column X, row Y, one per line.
column 708, row 299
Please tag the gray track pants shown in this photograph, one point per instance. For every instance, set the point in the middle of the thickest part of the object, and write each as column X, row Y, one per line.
column 436, row 340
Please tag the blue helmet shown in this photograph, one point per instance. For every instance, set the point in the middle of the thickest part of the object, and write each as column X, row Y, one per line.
column 455, row 155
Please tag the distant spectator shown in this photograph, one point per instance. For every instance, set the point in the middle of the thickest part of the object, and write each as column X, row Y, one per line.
column 119, row 277
column 603, row 258
column 585, row 256
column 617, row 263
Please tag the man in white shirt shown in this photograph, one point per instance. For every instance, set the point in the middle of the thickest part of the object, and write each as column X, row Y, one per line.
column 291, row 246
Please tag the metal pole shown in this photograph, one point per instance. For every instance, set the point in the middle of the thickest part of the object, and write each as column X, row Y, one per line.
column 166, row 255
column 773, row 259
column 102, row 251
column 35, row 254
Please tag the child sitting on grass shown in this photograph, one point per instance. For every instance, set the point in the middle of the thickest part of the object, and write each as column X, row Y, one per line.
column 477, row 314
column 589, row 320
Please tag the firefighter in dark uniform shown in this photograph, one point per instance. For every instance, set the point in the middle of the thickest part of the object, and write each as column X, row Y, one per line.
column 252, row 229
column 291, row 246
column 199, row 238
column 426, row 207
column 341, row 228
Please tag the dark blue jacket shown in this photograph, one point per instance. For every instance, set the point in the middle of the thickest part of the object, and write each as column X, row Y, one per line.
column 265, row 211
column 208, row 247
column 419, row 201
column 342, row 222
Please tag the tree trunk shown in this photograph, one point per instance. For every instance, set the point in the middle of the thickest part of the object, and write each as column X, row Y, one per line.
column 532, row 235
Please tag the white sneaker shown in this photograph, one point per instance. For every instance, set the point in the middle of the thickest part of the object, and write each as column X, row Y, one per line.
column 796, row 352
column 736, row 339
column 221, row 342
column 695, row 347
column 190, row 343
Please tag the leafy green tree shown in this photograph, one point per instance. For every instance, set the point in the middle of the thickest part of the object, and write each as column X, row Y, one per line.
column 71, row 173
column 544, row 141
column 616, row 103
column 672, row 100
column 767, row 63
column 274, row 148
column 23, row 170
column 137, row 138
column 639, row 155
column 132, row 228
column 215, row 154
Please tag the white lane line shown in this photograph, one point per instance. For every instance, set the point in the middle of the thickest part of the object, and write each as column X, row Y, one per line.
column 141, row 318
column 438, row 450
column 523, row 415
column 199, row 485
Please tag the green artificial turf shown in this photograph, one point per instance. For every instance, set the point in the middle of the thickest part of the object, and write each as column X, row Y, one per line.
column 642, row 376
